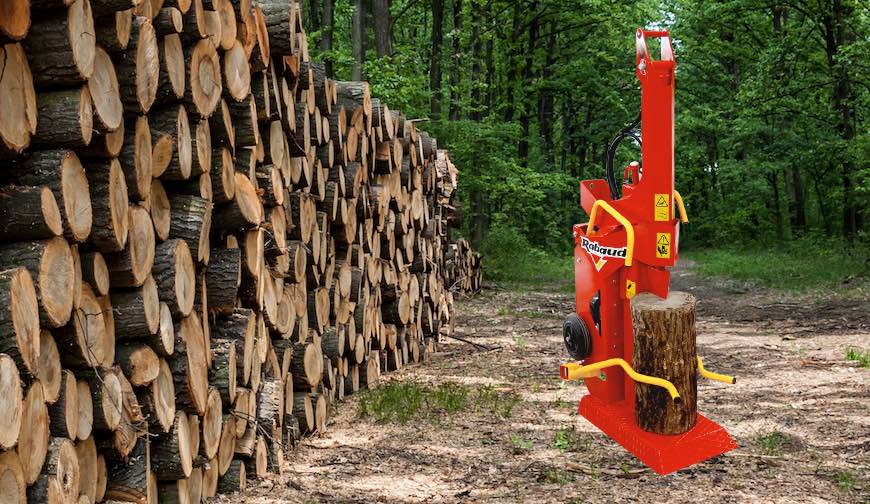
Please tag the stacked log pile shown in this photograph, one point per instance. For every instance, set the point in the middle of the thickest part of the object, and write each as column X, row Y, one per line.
column 205, row 243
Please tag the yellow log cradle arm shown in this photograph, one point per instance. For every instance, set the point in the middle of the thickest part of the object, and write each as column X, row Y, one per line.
column 682, row 208
column 715, row 376
column 575, row 371
column 629, row 229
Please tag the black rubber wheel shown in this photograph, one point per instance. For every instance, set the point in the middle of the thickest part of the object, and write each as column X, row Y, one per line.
column 576, row 336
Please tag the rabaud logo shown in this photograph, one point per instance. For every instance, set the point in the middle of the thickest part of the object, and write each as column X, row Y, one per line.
column 599, row 253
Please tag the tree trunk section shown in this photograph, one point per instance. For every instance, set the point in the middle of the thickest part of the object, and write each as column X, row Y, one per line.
column 664, row 347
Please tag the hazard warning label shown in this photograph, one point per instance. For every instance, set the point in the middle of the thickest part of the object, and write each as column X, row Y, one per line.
column 662, row 207
column 663, row 245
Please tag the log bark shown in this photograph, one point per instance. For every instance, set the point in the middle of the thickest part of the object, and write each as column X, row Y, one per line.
column 222, row 375
column 61, row 49
column 174, row 274
column 138, row 68
column 244, row 211
column 234, row 478
column 240, row 328
column 65, row 118
column 170, row 452
column 132, row 266
column 113, row 29
column 107, row 397
column 63, row 414
column 136, row 311
column 61, row 171
column 61, row 465
column 110, row 204
column 95, row 272
column 129, row 479
column 664, row 347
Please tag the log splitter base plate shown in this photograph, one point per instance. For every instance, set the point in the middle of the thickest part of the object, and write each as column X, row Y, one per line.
column 663, row 454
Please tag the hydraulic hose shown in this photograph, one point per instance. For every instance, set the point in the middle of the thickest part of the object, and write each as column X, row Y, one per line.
column 628, row 131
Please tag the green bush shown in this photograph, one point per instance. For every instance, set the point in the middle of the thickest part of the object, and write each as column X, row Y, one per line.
column 510, row 257
column 809, row 263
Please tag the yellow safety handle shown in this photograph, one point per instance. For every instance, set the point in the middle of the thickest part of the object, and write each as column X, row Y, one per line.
column 682, row 208
column 715, row 376
column 575, row 371
column 629, row 229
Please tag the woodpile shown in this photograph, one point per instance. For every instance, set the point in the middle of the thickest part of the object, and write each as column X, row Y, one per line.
column 205, row 243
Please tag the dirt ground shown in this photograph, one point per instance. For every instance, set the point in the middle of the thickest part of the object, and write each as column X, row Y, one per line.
column 800, row 412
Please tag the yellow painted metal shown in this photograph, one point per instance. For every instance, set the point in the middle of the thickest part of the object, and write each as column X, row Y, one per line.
column 629, row 229
column 630, row 289
column 682, row 208
column 577, row 371
column 714, row 376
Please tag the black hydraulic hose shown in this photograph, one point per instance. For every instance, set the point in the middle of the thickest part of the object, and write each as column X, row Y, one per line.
column 628, row 131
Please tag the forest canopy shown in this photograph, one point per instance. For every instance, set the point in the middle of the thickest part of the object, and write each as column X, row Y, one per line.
column 772, row 99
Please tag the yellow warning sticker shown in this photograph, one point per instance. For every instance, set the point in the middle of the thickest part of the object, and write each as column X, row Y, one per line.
column 663, row 245
column 662, row 207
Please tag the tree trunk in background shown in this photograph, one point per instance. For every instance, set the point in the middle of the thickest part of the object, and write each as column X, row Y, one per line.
column 773, row 180
column 435, row 58
column 515, row 48
column 477, row 19
column 490, row 62
column 357, row 33
column 456, row 61
column 312, row 15
column 546, row 103
column 842, row 99
column 326, row 40
column 383, row 27
column 800, row 199
column 525, row 113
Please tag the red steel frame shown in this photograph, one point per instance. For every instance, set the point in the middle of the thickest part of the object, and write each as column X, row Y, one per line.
column 648, row 204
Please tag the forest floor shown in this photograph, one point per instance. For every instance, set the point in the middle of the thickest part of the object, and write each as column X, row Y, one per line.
column 800, row 412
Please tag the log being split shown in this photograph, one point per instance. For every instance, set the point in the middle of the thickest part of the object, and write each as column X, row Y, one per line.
column 664, row 347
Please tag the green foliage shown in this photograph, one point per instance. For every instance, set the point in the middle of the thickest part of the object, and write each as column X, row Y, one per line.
column 862, row 357
column 510, row 257
column 520, row 445
column 772, row 443
column 845, row 480
column 805, row 264
column 399, row 402
column 557, row 476
column 570, row 440
column 499, row 404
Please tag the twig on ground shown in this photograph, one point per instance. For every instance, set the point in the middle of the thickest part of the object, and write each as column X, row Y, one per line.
column 475, row 345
